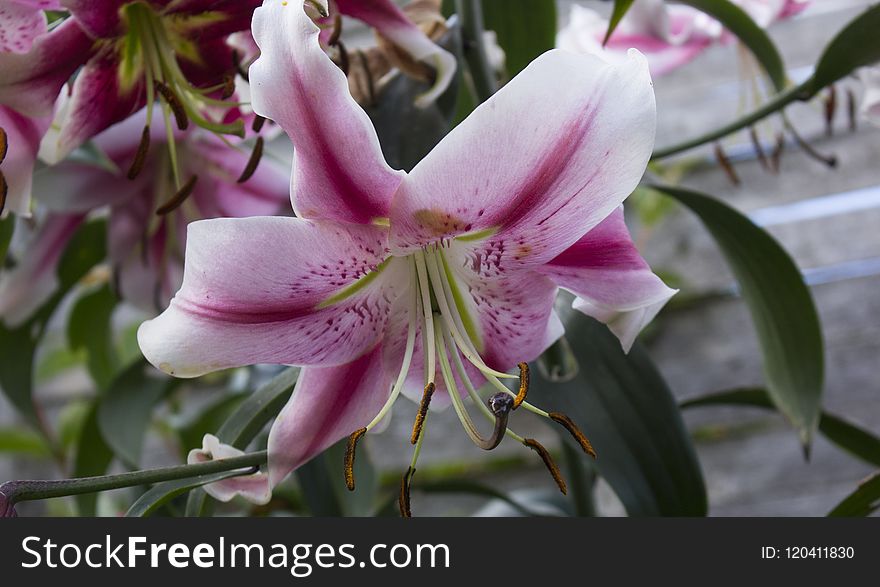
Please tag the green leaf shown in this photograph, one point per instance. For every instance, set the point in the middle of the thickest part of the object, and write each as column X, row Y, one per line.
column 208, row 421
column 7, row 227
column 621, row 7
column 323, row 484
column 853, row 47
column 780, row 304
column 92, row 458
column 18, row 345
column 125, row 410
column 468, row 487
column 247, row 421
column 161, row 494
column 738, row 22
column 23, row 441
column 625, row 408
column 89, row 327
column 525, row 29
column 862, row 502
column 850, row 437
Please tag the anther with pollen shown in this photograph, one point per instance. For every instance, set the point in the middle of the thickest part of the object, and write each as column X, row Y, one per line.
column 257, row 125
column 830, row 104
column 423, row 412
column 523, row 385
column 575, row 432
column 759, row 149
column 403, row 498
column 179, row 198
column 726, row 165
column 4, row 189
column 851, row 110
column 175, row 104
column 239, row 67
column 252, row 163
column 350, row 452
column 548, row 462
column 4, row 144
column 140, row 157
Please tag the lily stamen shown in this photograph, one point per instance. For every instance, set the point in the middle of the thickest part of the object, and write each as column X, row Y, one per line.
column 4, row 144
column 523, row 385
column 350, row 452
column 174, row 103
column 403, row 498
column 179, row 198
column 140, row 156
column 252, row 163
column 4, row 190
column 575, row 432
column 548, row 462
column 422, row 413
column 257, row 125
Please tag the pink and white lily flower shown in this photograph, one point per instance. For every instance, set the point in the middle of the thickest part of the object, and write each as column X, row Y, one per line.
column 126, row 50
column 670, row 35
column 254, row 487
column 430, row 283
column 19, row 144
column 147, row 220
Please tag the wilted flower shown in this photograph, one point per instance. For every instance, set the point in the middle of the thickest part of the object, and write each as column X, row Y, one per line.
column 147, row 214
column 254, row 487
column 430, row 283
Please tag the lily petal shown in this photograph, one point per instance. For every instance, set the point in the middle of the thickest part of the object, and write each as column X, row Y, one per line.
column 536, row 166
column 23, row 136
column 26, row 287
column 260, row 290
column 254, row 488
column 100, row 18
column 22, row 21
column 31, row 81
column 391, row 22
column 870, row 104
column 328, row 404
column 611, row 279
column 339, row 172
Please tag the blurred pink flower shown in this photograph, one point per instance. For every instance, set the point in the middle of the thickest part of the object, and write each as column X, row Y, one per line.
column 146, row 227
column 254, row 487
column 19, row 144
column 383, row 278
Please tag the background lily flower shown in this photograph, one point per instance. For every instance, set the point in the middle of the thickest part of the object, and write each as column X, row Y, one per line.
column 870, row 106
column 125, row 48
column 437, row 280
column 147, row 221
column 669, row 35
column 254, row 487
column 19, row 143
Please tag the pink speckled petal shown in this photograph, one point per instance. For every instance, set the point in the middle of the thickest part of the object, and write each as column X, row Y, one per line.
column 537, row 165
column 611, row 279
column 22, row 21
column 339, row 172
column 31, row 81
column 100, row 18
column 328, row 404
column 257, row 290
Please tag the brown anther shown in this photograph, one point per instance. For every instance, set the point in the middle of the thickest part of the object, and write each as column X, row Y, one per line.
column 829, row 160
column 175, row 104
column 422, row 414
column 830, row 110
column 140, row 157
column 336, row 32
column 252, row 163
column 759, row 149
column 548, row 462
column 257, row 125
column 179, row 198
column 4, row 190
column 523, row 385
column 575, row 432
column 776, row 155
column 344, row 62
column 350, row 449
column 4, row 144
column 500, row 404
column 368, row 75
column 403, row 497
column 228, row 87
column 851, row 110
column 725, row 164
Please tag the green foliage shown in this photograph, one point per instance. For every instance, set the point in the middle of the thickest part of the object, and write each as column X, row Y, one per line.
column 853, row 47
column 624, row 406
column 862, row 502
column 90, row 328
column 323, row 487
column 780, row 304
column 621, row 7
column 525, row 29
column 92, row 458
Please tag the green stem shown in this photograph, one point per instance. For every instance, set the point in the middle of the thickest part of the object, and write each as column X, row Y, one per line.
column 471, row 14
column 805, row 91
column 16, row 491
